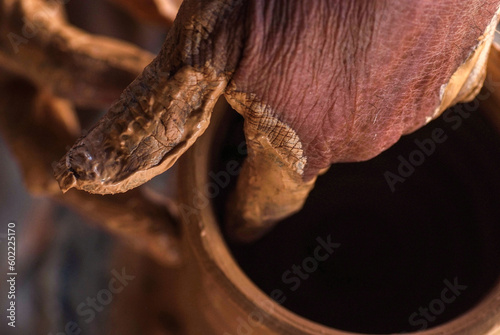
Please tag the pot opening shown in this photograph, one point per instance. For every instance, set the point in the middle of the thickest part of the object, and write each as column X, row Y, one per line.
column 364, row 256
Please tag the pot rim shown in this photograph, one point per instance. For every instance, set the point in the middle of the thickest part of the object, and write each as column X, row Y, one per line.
column 205, row 239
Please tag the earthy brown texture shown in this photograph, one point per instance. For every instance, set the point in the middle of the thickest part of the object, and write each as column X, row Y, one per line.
column 141, row 139
column 225, row 296
column 318, row 83
column 209, row 294
column 160, row 115
column 36, row 42
column 52, row 67
column 37, row 128
column 270, row 185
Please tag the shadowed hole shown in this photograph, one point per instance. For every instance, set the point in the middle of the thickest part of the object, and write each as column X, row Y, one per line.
column 399, row 250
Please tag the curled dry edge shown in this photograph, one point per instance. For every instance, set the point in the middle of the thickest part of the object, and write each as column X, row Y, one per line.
column 160, row 115
column 47, row 68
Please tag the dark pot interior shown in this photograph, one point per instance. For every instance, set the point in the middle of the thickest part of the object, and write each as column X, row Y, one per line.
column 398, row 250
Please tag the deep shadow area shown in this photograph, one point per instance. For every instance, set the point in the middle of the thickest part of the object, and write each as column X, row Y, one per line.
column 398, row 250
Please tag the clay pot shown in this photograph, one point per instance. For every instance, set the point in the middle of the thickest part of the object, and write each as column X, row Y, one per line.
column 228, row 302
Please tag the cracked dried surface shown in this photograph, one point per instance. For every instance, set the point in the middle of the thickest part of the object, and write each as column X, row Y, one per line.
column 160, row 115
column 46, row 68
column 331, row 82
column 141, row 137
column 270, row 185
column 37, row 127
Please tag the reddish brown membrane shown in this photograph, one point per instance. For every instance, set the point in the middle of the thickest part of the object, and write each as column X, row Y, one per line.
column 319, row 83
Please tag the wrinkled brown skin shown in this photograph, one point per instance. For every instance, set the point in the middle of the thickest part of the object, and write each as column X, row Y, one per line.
column 164, row 110
column 36, row 42
column 318, row 82
column 37, row 127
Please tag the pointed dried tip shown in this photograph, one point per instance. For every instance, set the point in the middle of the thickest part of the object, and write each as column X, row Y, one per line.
column 64, row 176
